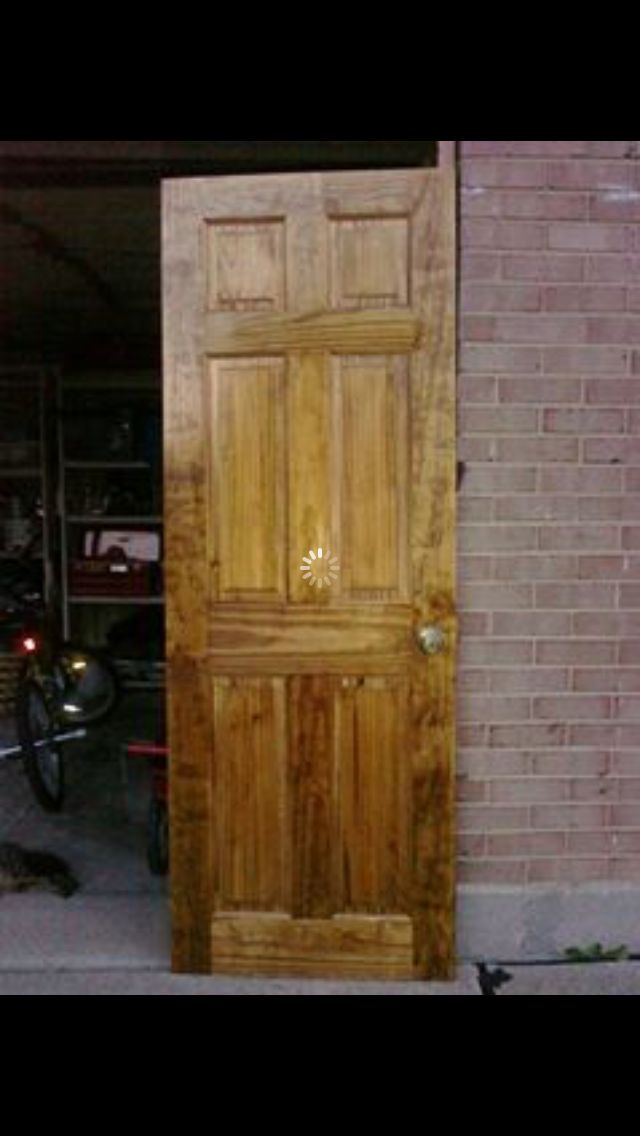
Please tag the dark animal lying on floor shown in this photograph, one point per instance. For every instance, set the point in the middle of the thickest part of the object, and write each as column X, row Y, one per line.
column 21, row 869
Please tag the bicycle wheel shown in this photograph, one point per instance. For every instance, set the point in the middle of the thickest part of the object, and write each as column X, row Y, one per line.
column 43, row 761
column 89, row 687
column 158, row 838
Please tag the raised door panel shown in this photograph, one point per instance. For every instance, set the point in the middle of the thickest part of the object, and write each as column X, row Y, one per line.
column 371, row 468
column 374, row 784
column 250, row 789
column 247, row 481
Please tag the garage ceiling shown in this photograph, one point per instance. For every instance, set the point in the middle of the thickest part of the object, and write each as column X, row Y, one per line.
column 80, row 235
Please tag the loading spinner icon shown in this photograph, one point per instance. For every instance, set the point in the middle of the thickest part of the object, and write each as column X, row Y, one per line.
column 320, row 568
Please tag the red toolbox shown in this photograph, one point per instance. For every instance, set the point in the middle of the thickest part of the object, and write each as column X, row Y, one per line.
column 112, row 576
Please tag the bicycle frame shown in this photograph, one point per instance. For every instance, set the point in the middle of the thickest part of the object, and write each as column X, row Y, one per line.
column 56, row 739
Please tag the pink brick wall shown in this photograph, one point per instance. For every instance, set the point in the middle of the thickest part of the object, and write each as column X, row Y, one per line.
column 549, row 539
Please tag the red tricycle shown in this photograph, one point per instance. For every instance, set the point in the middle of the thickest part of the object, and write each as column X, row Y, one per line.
column 158, row 816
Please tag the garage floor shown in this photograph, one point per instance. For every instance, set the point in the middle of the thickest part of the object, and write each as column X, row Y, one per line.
column 101, row 832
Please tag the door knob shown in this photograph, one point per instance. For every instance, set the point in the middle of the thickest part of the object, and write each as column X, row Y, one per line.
column 431, row 639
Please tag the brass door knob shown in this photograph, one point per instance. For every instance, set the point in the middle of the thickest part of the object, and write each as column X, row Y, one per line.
column 431, row 639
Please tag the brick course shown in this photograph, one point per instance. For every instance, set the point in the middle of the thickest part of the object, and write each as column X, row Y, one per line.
column 549, row 537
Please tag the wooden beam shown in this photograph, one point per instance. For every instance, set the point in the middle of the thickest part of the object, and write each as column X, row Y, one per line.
column 359, row 946
column 194, row 151
column 350, row 332
column 121, row 163
column 447, row 155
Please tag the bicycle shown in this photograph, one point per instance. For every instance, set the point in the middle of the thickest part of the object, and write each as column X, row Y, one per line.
column 62, row 687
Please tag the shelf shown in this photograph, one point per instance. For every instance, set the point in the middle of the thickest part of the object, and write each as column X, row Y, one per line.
column 143, row 466
column 110, row 460
column 5, row 554
column 140, row 673
column 10, row 472
column 119, row 601
column 152, row 683
column 104, row 519
column 28, row 471
column 103, row 383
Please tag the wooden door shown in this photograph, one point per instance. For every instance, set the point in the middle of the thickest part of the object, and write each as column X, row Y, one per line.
column 309, row 404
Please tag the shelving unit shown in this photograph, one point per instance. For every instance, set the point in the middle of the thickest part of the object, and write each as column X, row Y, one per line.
column 111, row 519
column 27, row 493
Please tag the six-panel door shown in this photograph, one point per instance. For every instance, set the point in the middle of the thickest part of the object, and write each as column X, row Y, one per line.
column 309, row 405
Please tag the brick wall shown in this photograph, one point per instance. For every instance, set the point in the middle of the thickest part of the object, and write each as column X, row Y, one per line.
column 549, row 540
